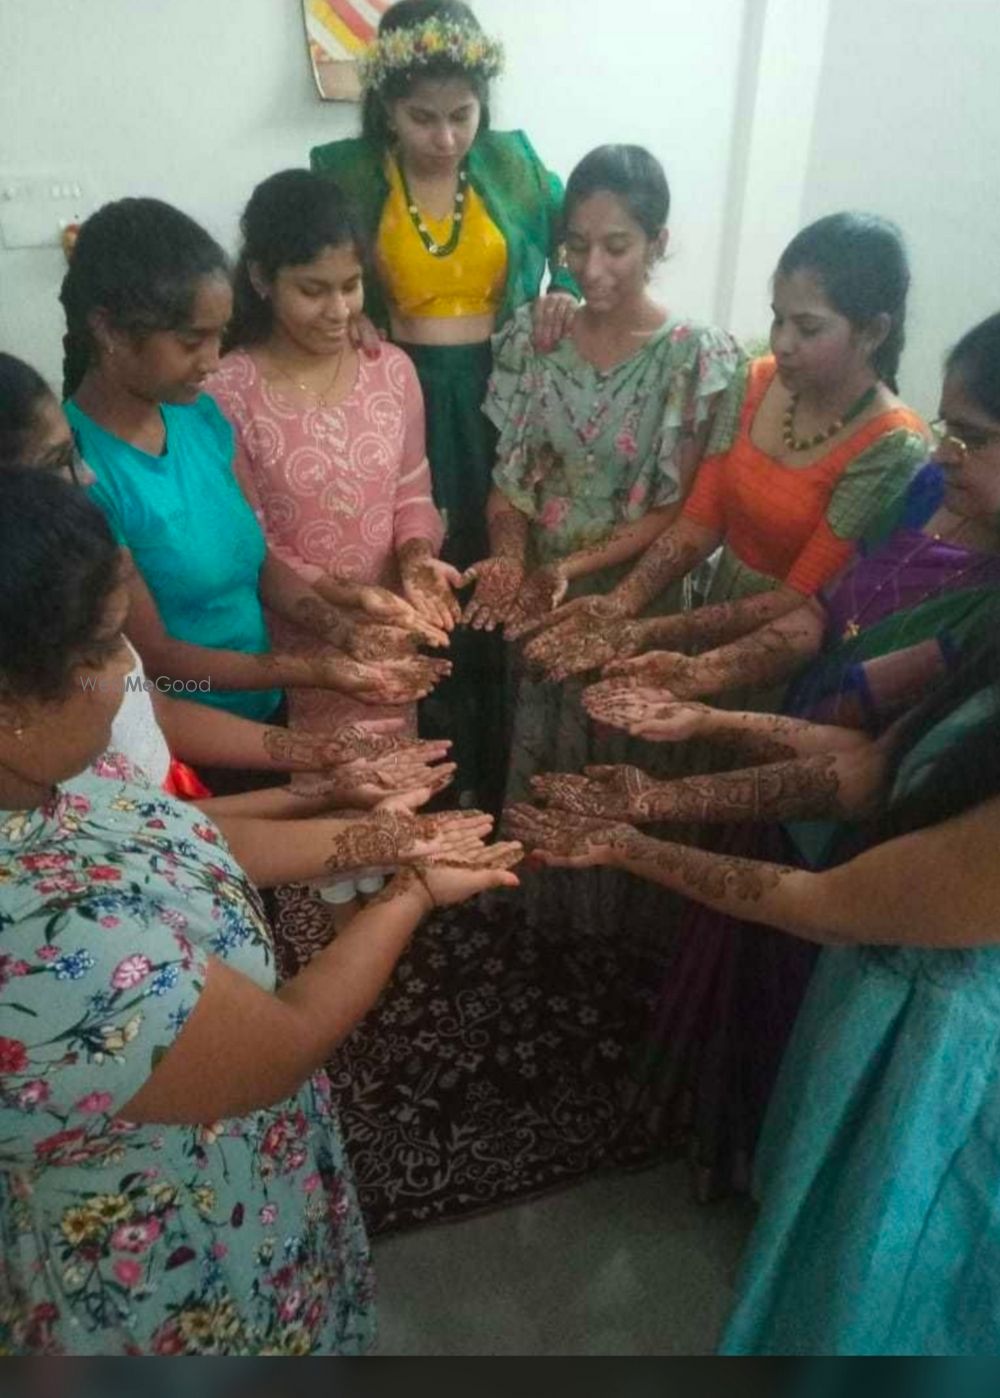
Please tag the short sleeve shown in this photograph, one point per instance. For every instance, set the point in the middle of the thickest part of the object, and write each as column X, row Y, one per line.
column 705, row 504
column 509, row 406
column 705, row 389
column 91, row 1000
column 107, row 502
column 874, row 481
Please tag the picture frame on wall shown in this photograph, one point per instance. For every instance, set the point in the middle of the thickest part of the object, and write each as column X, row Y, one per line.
column 337, row 33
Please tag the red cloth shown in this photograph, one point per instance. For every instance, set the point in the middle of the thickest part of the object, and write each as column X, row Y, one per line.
column 182, row 781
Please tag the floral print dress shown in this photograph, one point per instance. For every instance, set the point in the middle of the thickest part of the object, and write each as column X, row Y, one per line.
column 236, row 1237
column 580, row 452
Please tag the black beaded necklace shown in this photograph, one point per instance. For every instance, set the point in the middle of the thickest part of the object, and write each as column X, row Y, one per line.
column 458, row 214
column 794, row 443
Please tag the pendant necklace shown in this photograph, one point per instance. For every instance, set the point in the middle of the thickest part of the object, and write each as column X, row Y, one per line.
column 319, row 394
column 853, row 628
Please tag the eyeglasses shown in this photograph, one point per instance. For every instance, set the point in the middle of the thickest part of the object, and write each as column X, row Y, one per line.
column 974, row 440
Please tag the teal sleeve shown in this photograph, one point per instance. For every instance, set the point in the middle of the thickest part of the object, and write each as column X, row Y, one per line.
column 108, row 506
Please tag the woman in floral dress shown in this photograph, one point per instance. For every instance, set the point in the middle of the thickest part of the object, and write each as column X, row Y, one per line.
column 598, row 443
column 170, row 1182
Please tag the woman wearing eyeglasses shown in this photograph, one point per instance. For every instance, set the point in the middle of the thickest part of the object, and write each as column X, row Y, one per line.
column 925, row 585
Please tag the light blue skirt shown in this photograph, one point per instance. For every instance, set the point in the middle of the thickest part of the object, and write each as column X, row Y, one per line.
column 879, row 1169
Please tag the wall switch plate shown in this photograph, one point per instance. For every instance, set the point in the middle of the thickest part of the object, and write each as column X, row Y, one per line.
column 35, row 209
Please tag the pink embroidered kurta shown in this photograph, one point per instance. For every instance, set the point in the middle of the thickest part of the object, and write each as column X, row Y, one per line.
column 336, row 490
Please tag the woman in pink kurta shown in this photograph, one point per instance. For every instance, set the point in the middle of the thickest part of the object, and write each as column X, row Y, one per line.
column 329, row 441
column 338, row 489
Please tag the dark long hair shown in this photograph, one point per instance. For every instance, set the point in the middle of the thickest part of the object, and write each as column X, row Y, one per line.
column 861, row 262
column 630, row 173
column 58, row 566
column 22, row 391
column 408, row 14
column 289, row 220
column 139, row 261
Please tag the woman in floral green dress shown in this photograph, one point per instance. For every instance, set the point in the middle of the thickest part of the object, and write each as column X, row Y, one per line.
column 171, row 1181
column 598, row 443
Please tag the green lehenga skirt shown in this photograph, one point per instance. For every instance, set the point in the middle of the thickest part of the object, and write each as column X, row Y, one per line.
column 471, row 707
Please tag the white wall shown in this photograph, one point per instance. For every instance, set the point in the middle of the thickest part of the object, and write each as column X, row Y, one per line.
column 766, row 113
column 908, row 125
column 175, row 98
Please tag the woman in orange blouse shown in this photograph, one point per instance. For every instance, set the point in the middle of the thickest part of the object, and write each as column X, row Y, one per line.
column 823, row 445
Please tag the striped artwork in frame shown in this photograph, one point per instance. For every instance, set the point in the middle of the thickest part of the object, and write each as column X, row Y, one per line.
column 337, row 33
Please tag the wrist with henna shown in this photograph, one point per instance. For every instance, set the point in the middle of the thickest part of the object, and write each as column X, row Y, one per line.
column 321, row 619
column 508, row 532
column 800, row 789
column 372, row 841
column 667, row 559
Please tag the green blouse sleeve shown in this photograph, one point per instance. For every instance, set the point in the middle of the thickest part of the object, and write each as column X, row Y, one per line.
column 873, row 481
column 552, row 187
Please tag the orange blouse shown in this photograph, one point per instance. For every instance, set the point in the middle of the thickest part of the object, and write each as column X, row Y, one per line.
column 774, row 516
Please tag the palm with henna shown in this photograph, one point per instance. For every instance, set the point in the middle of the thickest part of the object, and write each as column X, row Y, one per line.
column 564, row 840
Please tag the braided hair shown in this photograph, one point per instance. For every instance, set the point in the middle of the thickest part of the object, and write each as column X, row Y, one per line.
column 139, row 261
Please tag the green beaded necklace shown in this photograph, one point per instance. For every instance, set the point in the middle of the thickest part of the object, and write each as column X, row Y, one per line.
column 458, row 213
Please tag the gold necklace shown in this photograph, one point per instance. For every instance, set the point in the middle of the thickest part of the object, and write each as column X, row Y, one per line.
column 319, row 394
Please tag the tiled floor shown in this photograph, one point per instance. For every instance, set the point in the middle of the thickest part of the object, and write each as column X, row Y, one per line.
column 623, row 1265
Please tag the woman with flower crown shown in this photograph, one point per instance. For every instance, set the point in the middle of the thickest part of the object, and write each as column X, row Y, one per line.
column 463, row 221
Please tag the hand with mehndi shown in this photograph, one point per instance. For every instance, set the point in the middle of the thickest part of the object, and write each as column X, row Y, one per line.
column 428, row 583
column 552, row 319
column 573, row 650
column 378, row 604
column 362, row 785
column 564, row 840
column 498, row 581
column 615, row 793
column 388, row 682
column 539, row 594
column 660, row 669
column 643, row 712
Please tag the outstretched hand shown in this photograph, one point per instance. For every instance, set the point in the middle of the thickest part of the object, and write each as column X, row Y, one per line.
column 564, row 840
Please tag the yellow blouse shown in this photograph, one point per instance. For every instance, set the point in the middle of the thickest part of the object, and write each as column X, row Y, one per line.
column 468, row 282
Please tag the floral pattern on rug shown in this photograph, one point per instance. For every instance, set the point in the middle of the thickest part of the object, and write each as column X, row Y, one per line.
column 495, row 1066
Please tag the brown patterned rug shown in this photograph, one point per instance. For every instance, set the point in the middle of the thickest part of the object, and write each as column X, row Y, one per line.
column 494, row 1067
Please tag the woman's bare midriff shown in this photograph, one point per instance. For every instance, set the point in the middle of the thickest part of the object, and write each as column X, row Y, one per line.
column 442, row 330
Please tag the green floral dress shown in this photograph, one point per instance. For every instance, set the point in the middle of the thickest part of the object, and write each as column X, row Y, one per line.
column 237, row 1237
column 581, row 452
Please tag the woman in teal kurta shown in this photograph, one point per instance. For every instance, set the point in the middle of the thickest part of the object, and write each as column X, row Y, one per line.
column 427, row 153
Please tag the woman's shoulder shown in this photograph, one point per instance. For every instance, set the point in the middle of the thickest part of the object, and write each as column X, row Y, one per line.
column 347, row 153
column 693, row 340
column 234, row 378
column 504, row 151
column 200, row 422
column 513, row 343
